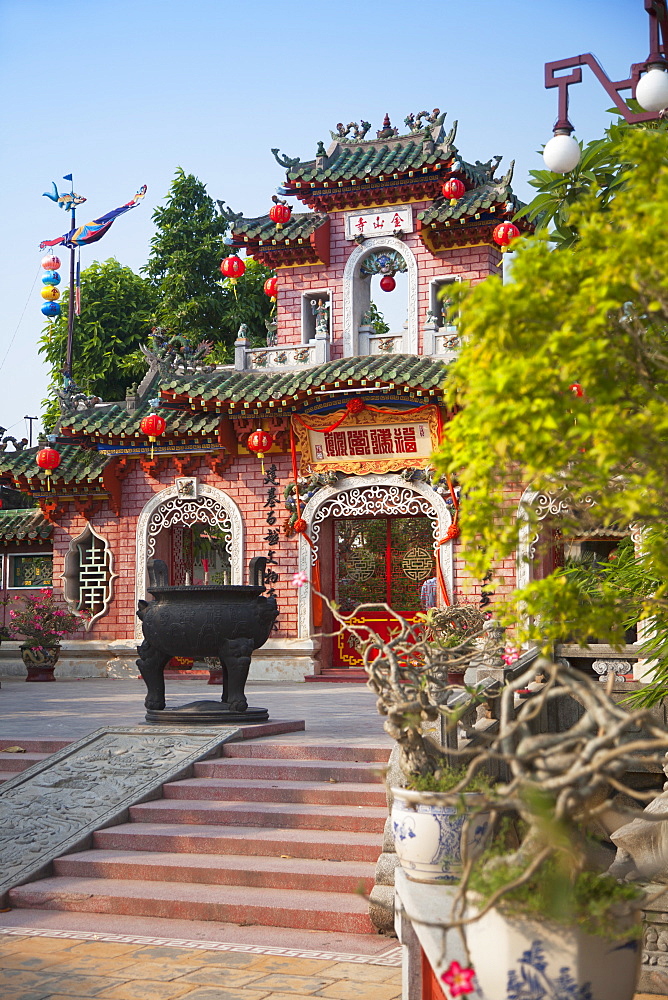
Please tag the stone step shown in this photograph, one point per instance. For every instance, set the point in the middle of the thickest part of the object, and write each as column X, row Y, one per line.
column 297, row 908
column 337, row 845
column 266, row 769
column 235, row 789
column 226, row 869
column 34, row 744
column 313, row 751
column 15, row 762
column 271, row 815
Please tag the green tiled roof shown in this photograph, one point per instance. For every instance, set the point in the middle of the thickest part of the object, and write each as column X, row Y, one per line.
column 23, row 525
column 116, row 421
column 477, row 200
column 300, row 226
column 376, row 157
column 76, row 463
column 409, row 370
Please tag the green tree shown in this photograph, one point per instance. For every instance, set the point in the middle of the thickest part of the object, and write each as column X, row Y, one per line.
column 184, row 266
column 116, row 310
column 597, row 316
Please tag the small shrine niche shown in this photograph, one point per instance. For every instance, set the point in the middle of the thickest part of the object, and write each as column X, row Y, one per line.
column 440, row 291
column 316, row 315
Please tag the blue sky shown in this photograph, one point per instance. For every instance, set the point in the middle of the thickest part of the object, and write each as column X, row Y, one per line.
column 122, row 93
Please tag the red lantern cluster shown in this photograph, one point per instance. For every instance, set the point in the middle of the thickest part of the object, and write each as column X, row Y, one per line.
column 387, row 283
column 232, row 267
column 453, row 189
column 280, row 213
column 505, row 233
column 271, row 287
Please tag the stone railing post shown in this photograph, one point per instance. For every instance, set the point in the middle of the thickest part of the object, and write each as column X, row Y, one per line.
column 241, row 345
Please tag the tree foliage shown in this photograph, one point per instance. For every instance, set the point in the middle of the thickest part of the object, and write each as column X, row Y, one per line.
column 596, row 315
column 116, row 311
column 184, row 266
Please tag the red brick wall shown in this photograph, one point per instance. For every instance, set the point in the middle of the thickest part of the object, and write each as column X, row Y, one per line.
column 472, row 263
column 244, row 484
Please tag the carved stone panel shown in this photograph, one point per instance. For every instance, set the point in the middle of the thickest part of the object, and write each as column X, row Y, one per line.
column 49, row 809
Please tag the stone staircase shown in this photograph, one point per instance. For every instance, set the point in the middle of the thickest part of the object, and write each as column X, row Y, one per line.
column 31, row 752
column 271, row 834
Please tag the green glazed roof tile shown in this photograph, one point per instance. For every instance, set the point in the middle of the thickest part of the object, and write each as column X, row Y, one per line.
column 299, row 226
column 23, row 525
column 75, row 463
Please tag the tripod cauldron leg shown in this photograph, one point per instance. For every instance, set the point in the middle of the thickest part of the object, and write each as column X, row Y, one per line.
column 235, row 657
column 152, row 663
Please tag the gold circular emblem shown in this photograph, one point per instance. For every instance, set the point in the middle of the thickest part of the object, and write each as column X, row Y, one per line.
column 360, row 565
column 418, row 563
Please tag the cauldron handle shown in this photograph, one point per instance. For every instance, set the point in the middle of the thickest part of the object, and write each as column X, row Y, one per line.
column 256, row 569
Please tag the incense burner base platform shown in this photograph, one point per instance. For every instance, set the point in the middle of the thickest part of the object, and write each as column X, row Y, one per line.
column 205, row 713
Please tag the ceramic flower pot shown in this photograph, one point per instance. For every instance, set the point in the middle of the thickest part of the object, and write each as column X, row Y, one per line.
column 430, row 833
column 517, row 957
column 40, row 662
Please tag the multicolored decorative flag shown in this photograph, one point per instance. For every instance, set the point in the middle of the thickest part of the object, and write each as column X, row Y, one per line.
column 93, row 231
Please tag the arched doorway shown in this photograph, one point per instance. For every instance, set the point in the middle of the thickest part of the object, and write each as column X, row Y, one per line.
column 376, row 540
column 357, row 294
column 179, row 524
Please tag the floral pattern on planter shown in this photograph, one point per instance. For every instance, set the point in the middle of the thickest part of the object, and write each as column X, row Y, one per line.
column 40, row 662
column 531, row 981
column 428, row 837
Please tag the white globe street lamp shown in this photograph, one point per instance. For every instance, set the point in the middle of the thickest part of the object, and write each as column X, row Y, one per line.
column 561, row 153
column 652, row 90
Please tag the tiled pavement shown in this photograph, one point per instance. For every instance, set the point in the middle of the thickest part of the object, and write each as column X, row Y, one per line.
column 53, row 968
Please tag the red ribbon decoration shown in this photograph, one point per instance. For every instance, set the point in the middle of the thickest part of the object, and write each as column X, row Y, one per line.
column 356, row 405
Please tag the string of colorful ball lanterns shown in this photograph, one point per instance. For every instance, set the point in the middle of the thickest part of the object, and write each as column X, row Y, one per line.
column 50, row 279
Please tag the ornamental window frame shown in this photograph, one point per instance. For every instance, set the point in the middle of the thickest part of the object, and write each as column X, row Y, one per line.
column 77, row 574
column 7, row 570
column 356, row 294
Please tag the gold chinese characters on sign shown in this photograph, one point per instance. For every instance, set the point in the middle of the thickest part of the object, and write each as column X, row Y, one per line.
column 367, row 442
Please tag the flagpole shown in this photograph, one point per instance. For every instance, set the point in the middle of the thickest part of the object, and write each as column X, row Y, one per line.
column 70, row 305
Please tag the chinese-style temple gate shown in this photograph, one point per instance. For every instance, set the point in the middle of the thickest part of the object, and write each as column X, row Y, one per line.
column 353, row 403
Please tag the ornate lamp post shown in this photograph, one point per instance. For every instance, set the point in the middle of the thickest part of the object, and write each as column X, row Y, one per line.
column 562, row 152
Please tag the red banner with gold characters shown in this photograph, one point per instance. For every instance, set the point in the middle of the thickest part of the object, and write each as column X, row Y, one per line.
column 367, row 441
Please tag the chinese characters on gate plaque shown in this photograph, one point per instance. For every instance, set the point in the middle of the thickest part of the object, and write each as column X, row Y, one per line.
column 409, row 441
column 379, row 222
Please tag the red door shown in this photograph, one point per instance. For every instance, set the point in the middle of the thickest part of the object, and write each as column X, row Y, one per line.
column 379, row 560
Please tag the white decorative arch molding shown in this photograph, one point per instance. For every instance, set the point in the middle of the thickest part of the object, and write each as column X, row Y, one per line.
column 354, row 305
column 544, row 505
column 170, row 507
column 366, row 496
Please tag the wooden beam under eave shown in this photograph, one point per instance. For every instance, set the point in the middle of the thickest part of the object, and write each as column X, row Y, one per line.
column 227, row 437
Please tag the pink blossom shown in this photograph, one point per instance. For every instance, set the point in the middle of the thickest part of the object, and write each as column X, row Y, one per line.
column 299, row 579
column 458, row 980
column 510, row 655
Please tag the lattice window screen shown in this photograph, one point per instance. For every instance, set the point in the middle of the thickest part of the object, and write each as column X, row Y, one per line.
column 89, row 574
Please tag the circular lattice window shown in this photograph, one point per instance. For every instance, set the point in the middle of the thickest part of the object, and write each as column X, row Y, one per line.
column 360, row 566
column 417, row 563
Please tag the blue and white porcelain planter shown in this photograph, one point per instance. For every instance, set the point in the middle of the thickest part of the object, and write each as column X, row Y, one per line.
column 429, row 832
column 523, row 959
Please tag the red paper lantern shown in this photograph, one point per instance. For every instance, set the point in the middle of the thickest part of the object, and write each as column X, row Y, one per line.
column 232, row 267
column 387, row 283
column 48, row 459
column 453, row 189
column 271, row 287
column 259, row 442
column 280, row 213
column 505, row 233
column 154, row 425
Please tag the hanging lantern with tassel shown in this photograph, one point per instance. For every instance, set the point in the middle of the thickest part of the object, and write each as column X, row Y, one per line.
column 279, row 212
column 48, row 459
column 504, row 234
column 154, row 425
column 233, row 268
column 259, row 442
column 271, row 288
column 453, row 189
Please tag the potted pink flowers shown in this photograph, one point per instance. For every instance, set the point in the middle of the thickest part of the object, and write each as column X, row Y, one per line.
column 42, row 621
